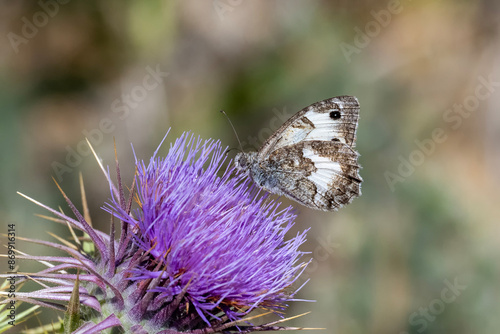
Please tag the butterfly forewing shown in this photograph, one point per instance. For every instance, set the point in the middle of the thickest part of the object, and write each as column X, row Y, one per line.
column 333, row 119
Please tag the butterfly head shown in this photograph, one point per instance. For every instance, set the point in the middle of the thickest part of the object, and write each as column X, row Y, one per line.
column 244, row 161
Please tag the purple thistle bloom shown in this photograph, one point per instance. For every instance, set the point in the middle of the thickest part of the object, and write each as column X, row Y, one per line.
column 214, row 237
column 198, row 254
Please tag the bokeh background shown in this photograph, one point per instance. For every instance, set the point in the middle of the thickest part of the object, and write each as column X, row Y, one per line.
column 416, row 253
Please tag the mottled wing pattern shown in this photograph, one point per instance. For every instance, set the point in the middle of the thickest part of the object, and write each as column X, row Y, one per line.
column 334, row 119
column 322, row 175
column 311, row 158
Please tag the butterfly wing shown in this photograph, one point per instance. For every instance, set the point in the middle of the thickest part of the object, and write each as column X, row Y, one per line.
column 333, row 119
column 318, row 174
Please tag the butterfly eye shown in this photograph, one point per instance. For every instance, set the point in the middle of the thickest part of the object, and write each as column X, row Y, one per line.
column 335, row 114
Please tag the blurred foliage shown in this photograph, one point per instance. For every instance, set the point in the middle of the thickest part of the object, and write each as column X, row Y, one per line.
column 391, row 253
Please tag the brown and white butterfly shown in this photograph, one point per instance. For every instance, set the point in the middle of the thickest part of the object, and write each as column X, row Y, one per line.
column 311, row 158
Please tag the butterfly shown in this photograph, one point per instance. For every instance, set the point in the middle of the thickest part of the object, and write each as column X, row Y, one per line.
column 311, row 158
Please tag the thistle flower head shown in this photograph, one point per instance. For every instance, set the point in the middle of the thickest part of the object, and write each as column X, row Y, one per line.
column 200, row 250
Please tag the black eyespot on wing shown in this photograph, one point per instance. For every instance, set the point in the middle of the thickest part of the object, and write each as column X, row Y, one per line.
column 336, row 140
column 335, row 114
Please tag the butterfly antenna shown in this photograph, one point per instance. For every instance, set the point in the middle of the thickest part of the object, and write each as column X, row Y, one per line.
column 234, row 130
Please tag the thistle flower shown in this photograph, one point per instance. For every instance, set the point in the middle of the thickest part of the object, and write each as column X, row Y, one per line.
column 197, row 254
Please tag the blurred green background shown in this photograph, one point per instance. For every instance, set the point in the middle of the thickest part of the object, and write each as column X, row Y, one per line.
column 416, row 253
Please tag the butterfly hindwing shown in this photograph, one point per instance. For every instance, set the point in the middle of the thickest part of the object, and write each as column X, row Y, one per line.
column 320, row 175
